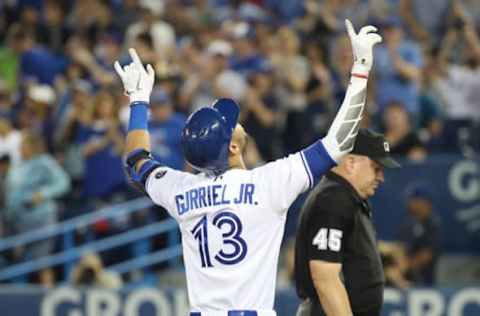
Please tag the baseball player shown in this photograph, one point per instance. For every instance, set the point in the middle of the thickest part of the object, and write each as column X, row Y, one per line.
column 232, row 219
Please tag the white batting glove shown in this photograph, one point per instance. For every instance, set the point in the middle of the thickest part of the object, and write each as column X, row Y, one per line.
column 137, row 82
column 362, row 46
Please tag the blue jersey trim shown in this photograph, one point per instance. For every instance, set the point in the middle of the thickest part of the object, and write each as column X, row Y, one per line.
column 317, row 160
column 307, row 170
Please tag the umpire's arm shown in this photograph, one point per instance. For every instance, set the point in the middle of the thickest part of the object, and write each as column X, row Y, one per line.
column 330, row 289
column 329, row 228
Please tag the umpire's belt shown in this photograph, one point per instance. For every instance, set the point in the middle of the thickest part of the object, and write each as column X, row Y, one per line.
column 231, row 313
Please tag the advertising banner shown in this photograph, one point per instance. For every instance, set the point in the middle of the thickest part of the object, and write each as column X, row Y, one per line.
column 66, row 301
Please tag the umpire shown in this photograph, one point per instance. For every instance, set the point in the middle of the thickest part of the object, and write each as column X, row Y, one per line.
column 338, row 270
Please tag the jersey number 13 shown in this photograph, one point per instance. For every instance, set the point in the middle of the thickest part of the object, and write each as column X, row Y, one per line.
column 231, row 237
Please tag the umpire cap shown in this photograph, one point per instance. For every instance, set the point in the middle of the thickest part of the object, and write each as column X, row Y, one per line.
column 375, row 147
column 207, row 134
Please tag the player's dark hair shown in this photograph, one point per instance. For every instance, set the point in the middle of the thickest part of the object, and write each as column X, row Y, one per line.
column 145, row 38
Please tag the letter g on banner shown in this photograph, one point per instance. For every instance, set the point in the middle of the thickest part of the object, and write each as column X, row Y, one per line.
column 60, row 296
column 464, row 181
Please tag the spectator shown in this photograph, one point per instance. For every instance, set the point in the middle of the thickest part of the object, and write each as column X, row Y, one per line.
column 458, row 85
column 394, row 263
column 103, row 24
column 31, row 189
column 7, row 109
column 162, row 33
column 227, row 83
column 5, row 17
column 4, row 166
column 52, row 32
column 213, row 79
column 197, row 89
column 320, row 107
column 292, row 73
column 73, row 72
column 199, row 14
column 90, row 273
column 400, row 135
column 29, row 18
column 169, row 79
column 83, row 14
column 260, row 113
column 143, row 43
column 421, row 235
column 285, row 10
column 79, row 52
column 37, row 63
column 165, row 127
column 333, row 13
column 426, row 19
column 126, row 14
column 107, row 50
column 70, row 131
column 91, row 19
column 10, row 140
column 431, row 115
column 341, row 61
column 10, row 58
column 398, row 64
column 471, row 9
column 75, row 99
column 102, row 140
column 246, row 55
column 36, row 115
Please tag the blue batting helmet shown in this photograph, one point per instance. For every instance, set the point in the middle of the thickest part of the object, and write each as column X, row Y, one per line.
column 207, row 135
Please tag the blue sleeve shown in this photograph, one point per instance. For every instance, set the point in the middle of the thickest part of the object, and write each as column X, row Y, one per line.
column 58, row 180
column 84, row 134
column 317, row 161
column 14, row 195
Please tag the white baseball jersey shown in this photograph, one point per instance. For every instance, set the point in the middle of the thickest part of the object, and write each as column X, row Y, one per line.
column 231, row 227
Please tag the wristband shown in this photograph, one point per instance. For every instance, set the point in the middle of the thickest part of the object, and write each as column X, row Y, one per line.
column 138, row 116
column 354, row 74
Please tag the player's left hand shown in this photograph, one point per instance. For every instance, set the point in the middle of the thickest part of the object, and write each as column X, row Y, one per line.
column 137, row 82
column 362, row 46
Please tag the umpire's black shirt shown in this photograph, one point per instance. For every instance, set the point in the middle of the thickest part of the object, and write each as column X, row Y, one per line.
column 336, row 226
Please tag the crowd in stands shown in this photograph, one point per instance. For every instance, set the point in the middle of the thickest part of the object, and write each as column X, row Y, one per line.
column 63, row 113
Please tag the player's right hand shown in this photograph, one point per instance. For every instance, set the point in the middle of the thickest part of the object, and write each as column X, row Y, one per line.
column 137, row 82
column 362, row 46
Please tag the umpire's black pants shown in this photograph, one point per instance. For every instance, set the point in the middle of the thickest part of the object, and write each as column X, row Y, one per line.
column 313, row 308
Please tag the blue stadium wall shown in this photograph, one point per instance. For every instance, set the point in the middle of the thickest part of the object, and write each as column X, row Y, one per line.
column 454, row 185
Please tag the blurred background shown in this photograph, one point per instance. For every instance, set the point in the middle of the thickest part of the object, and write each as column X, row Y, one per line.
column 75, row 238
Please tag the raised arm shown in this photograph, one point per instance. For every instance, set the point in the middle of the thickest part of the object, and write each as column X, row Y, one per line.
column 343, row 131
column 138, row 84
column 301, row 172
